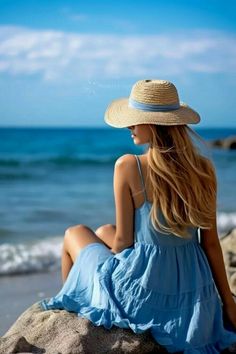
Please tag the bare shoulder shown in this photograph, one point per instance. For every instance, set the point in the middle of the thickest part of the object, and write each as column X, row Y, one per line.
column 126, row 160
column 125, row 168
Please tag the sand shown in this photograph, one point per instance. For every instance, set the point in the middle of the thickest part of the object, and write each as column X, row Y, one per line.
column 18, row 292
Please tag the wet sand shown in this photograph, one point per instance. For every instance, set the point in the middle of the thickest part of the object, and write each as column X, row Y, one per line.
column 18, row 292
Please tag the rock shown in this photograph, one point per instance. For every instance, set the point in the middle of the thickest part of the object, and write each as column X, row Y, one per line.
column 228, row 245
column 61, row 332
column 226, row 143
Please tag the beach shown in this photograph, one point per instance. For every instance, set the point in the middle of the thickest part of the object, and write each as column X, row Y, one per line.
column 51, row 179
column 21, row 291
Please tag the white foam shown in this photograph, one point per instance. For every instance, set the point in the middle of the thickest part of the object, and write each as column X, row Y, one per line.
column 28, row 258
column 226, row 222
column 46, row 255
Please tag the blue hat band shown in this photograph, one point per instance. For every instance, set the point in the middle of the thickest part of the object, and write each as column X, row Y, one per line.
column 152, row 107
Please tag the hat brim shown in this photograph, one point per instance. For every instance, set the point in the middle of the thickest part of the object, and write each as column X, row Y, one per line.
column 120, row 115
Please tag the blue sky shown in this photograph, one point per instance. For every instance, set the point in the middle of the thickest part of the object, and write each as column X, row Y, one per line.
column 62, row 62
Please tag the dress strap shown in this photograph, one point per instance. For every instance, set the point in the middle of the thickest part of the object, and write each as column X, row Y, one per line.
column 141, row 176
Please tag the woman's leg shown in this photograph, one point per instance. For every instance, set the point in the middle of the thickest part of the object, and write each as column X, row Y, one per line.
column 106, row 233
column 76, row 237
column 66, row 263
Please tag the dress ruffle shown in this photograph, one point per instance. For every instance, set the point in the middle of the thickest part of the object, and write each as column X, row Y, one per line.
column 107, row 318
column 118, row 296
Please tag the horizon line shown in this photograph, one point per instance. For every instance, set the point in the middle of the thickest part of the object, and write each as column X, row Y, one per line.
column 97, row 127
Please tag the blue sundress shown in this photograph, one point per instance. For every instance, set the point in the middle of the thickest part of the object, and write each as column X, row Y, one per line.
column 163, row 283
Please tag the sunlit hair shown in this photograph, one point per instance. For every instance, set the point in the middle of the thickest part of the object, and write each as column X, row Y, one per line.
column 183, row 181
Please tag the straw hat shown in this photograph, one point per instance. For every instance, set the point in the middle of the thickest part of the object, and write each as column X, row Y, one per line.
column 153, row 102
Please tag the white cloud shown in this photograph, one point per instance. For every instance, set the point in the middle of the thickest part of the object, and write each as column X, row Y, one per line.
column 69, row 13
column 59, row 55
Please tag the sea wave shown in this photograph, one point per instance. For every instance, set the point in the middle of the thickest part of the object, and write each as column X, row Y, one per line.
column 31, row 168
column 226, row 222
column 16, row 175
column 46, row 255
column 30, row 258
column 58, row 160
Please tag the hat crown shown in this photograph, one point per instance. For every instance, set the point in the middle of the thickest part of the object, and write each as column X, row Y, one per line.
column 159, row 92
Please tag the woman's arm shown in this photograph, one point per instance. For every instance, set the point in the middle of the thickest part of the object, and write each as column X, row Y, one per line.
column 212, row 248
column 124, row 236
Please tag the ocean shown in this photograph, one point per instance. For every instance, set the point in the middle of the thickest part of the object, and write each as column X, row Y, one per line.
column 52, row 178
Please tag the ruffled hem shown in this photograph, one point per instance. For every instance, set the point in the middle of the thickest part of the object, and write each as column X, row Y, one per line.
column 99, row 316
column 215, row 348
column 122, row 300
column 108, row 318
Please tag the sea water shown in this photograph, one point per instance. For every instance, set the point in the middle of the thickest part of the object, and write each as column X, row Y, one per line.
column 52, row 178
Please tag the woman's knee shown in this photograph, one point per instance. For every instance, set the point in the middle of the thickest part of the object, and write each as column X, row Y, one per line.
column 104, row 229
column 73, row 231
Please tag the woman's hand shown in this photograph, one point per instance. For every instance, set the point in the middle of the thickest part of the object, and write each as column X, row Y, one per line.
column 230, row 312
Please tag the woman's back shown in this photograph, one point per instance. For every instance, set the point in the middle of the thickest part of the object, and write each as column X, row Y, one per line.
column 144, row 231
column 163, row 256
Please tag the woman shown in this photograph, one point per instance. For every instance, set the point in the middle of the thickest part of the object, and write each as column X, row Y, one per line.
column 161, row 266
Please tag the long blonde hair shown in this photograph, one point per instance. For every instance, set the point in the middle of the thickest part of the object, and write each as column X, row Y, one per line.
column 183, row 181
